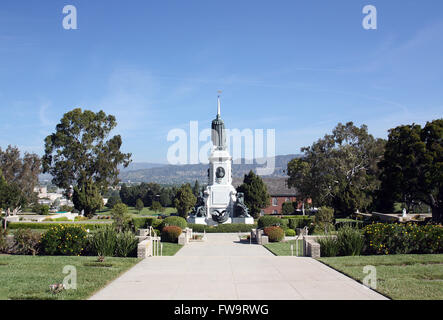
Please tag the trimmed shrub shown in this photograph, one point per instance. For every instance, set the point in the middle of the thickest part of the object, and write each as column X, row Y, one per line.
column 274, row 233
column 65, row 239
column 126, row 244
column 3, row 241
column 382, row 238
column 329, row 246
column 290, row 233
column 350, row 241
column 223, row 228
column 299, row 222
column 354, row 224
column 174, row 221
column 47, row 226
column 26, row 241
column 104, row 241
column 268, row 221
column 170, row 233
column 80, row 218
column 41, row 209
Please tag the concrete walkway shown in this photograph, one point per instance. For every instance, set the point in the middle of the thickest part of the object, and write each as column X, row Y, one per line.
column 223, row 268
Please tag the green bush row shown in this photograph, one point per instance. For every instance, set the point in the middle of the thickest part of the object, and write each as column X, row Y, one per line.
column 223, row 228
column 46, row 226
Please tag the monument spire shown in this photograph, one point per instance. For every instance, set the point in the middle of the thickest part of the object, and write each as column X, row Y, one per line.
column 218, row 103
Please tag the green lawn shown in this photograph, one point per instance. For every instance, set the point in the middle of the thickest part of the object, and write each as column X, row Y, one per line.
column 410, row 276
column 28, row 277
column 144, row 212
column 284, row 248
column 169, row 249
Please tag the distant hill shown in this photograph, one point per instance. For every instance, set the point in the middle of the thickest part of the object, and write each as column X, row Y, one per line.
column 177, row 174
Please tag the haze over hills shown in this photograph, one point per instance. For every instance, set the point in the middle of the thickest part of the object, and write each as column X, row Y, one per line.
column 177, row 174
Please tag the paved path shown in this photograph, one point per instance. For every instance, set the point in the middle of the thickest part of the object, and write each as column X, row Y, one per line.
column 222, row 268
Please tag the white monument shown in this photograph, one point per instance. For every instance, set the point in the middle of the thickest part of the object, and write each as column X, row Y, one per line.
column 220, row 203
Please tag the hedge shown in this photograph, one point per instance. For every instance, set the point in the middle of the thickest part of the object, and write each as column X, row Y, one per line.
column 46, row 226
column 174, row 221
column 267, row 221
column 143, row 222
column 223, row 228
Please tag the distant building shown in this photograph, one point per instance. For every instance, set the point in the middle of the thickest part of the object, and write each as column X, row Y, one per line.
column 279, row 192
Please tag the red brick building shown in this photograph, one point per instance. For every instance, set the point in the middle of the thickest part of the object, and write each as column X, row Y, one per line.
column 279, row 192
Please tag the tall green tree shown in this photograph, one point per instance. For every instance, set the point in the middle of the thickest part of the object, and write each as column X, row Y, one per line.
column 80, row 152
column 184, row 200
column 122, row 218
column 256, row 193
column 20, row 174
column 196, row 188
column 87, row 198
column 139, row 205
column 412, row 168
column 339, row 170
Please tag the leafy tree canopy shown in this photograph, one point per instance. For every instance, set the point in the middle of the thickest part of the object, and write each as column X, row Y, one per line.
column 80, row 152
column 184, row 200
column 256, row 193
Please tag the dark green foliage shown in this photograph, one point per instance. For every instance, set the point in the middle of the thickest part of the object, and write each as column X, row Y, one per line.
column 3, row 240
column 142, row 222
column 87, row 197
column 324, row 218
column 329, row 246
column 184, row 200
column 267, row 221
column 121, row 217
column 67, row 239
column 275, row 234
column 173, row 221
column 382, row 238
column 41, row 209
column 104, row 241
column 256, row 193
column 26, row 242
column 66, row 208
column 157, row 207
column 287, row 208
column 112, row 201
column 300, row 222
column 126, row 244
column 350, row 241
column 339, row 170
column 223, row 228
column 412, row 168
column 139, row 205
column 196, row 188
column 290, row 233
column 171, row 234
column 46, row 226
column 148, row 193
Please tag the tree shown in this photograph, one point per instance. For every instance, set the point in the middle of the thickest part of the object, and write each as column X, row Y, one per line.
column 121, row 217
column 87, row 197
column 196, row 188
column 112, row 201
column 139, row 205
column 12, row 199
column 79, row 153
column 412, row 168
column 157, row 207
column 287, row 208
column 339, row 170
column 20, row 176
column 256, row 193
column 184, row 200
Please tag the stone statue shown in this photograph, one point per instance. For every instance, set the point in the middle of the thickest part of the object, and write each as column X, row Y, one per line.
column 218, row 135
column 404, row 213
column 220, row 216
column 199, row 209
column 240, row 209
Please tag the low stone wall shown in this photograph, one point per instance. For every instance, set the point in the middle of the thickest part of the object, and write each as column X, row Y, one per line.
column 146, row 248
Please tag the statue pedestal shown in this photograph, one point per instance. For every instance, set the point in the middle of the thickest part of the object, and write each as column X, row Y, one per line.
column 248, row 220
column 209, row 221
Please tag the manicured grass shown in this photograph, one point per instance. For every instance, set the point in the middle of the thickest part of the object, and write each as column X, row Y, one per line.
column 144, row 212
column 284, row 248
column 170, row 249
column 28, row 277
column 410, row 276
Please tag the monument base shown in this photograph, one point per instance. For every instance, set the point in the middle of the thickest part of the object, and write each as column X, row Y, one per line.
column 248, row 220
column 209, row 221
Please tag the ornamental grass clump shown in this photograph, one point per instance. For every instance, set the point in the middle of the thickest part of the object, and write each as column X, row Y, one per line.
column 350, row 241
column 104, row 241
column 63, row 239
column 329, row 246
column 126, row 244
column 275, row 234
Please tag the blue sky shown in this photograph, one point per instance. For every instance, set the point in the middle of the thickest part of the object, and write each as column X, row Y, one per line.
column 299, row 67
